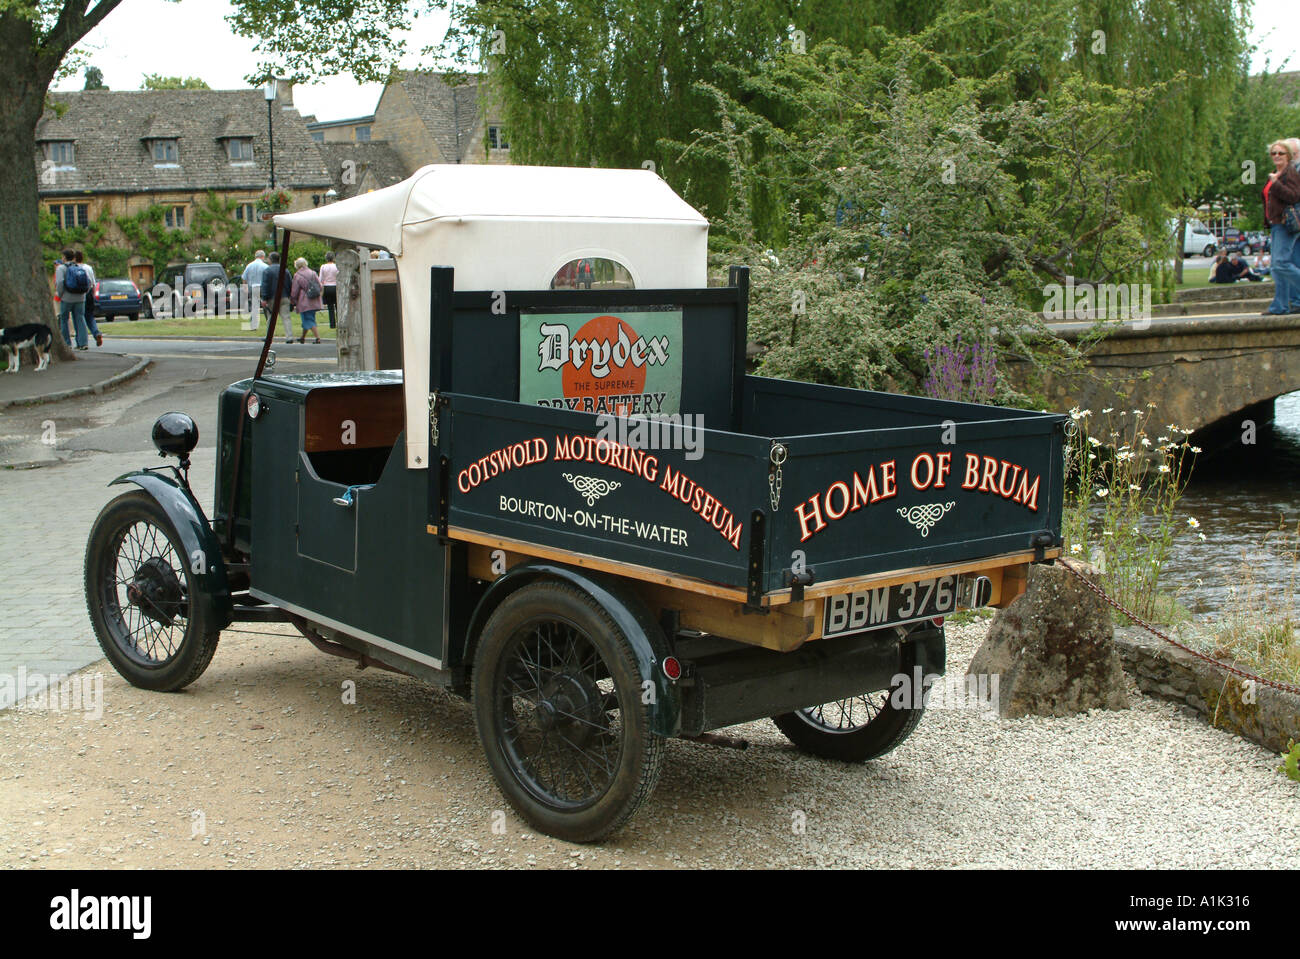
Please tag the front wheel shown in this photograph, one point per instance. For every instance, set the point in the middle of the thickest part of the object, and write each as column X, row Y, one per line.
column 142, row 597
column 860, row 727
column 560, row 712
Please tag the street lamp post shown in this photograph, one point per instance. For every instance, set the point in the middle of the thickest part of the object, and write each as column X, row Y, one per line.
column 268, row 91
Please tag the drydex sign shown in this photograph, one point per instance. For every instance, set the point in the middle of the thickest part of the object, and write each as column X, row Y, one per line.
column 624, row 364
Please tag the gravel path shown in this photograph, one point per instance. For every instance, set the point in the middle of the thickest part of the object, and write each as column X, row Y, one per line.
column 266, row 758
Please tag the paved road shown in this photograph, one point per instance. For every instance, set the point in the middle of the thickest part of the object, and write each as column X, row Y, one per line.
column 59, row 458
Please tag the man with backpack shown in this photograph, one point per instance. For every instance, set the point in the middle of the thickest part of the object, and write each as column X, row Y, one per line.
column 71, row 284
column 91, row 302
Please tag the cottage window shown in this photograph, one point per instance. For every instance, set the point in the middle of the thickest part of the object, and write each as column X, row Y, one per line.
column 363, row 133
column 61, row 153
column 239, row 149
column 497, row 139
column 164, row 151
column 244, row 212
column 318, row 136
column 174, row 217
column 70, row 215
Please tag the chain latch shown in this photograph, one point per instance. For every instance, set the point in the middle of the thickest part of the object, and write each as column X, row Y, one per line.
column 776, row 457
column 435, row 403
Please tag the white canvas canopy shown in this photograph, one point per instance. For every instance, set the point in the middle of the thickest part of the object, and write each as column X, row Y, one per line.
column 510, row 228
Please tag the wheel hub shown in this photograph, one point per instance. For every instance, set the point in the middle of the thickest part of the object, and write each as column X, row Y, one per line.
column 156, row 591
column 570, row 703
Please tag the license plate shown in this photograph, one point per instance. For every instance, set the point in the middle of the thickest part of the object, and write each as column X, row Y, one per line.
column 889, row 606
column 118, row 296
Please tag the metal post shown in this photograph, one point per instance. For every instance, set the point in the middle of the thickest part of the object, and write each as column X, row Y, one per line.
column 270, row 136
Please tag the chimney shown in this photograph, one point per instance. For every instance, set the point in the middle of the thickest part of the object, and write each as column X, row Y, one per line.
column 284, row 93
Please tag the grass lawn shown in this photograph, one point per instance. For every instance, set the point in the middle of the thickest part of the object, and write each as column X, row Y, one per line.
column 1194, row 277
column 229, row 325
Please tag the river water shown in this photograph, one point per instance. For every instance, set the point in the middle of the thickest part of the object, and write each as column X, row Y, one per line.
column 1240, row 495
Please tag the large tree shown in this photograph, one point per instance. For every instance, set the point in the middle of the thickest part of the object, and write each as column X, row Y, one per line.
column 39, row 39
column 36, row 37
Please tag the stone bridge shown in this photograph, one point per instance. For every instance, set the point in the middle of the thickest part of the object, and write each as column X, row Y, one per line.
column 1200, row 372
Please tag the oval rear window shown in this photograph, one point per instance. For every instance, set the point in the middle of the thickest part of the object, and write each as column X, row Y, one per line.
column 592, row 273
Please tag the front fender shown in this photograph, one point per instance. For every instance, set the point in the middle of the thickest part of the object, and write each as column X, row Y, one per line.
column 202, row 549
column 647, row 639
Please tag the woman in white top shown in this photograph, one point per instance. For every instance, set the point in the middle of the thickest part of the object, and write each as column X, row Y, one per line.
column 329, row 277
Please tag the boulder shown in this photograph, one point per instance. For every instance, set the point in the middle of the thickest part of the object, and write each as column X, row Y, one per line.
column 1052, row 649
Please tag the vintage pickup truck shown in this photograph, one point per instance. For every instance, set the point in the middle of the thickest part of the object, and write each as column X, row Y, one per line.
column 574, row 506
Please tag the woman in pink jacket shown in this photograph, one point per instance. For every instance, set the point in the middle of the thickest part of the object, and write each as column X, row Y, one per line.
column 305, row 295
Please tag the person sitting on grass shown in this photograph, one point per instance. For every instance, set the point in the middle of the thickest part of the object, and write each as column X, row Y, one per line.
column 1231, row 269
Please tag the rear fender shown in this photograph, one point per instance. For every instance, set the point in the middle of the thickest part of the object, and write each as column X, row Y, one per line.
column 202, row 549
column 647, row 639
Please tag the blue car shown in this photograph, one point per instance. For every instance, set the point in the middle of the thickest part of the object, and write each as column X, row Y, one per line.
column 114, row 298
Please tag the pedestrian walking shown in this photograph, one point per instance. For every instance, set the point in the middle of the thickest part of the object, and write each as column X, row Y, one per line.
column 305, row 295
column 329, row 278
column 71, row 284
column 1280, row 192
column 252, row 280
column 275, row 282
column 92, row 299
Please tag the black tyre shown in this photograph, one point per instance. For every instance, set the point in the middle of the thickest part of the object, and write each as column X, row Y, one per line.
column 558, row 706
column 856, row 729
column 142, row 597
column 1247, row 250
column 133, row 317
column 1208, row 251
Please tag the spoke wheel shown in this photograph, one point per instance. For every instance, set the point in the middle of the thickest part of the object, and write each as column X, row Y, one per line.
column 855, row 729
column 559, row 711
column 140, row 594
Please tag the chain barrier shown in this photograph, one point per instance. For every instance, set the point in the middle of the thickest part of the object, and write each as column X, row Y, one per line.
column 1285, row 687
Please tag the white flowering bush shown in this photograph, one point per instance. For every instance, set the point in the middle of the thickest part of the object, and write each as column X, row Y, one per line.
column 1119, row 508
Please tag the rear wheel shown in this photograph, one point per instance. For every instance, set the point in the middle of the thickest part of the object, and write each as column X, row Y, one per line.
column 860, row 727
column 559, row 710
column 142, row 597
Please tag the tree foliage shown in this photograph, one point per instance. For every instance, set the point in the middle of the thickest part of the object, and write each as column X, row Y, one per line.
column 94, row 79
column 156, row 81
column 917, row 216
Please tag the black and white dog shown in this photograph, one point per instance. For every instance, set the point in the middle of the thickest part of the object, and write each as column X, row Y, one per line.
column 17, row 338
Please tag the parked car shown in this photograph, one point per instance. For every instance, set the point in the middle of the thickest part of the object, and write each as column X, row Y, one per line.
column 118, row 297
column 1257, row 241
column 1230, row 238
column 203, row 284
